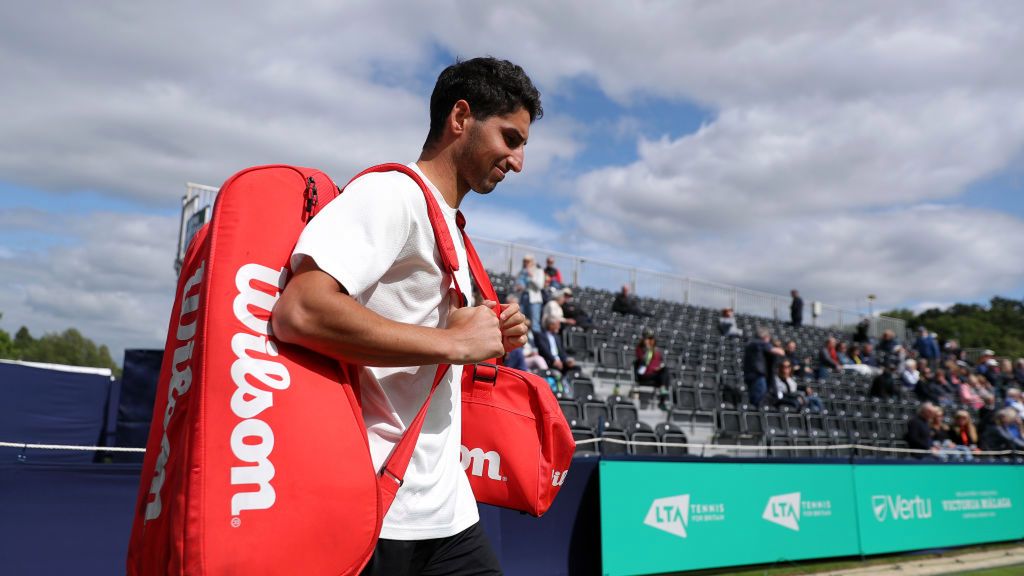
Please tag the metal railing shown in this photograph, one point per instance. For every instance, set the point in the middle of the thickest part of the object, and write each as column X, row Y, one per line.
column 500, row 256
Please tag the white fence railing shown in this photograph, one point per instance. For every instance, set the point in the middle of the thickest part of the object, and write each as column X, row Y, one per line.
column 500, row 256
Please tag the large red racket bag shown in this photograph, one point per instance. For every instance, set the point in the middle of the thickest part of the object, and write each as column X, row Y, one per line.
column 257, row 460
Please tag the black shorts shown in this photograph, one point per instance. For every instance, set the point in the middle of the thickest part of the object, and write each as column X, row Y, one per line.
column 467, row 553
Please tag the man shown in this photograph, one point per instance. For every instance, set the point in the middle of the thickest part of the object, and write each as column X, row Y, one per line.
column 625, row 303
column 755, row 365
column 999, row 434
column 553, row 274
column 574, row 311
column 926, row 345
column 549, row 346
column 796, row 309
column 553, row 309
column 919, row 430
column 368, row 289
column 531, row 280
column 828, row 359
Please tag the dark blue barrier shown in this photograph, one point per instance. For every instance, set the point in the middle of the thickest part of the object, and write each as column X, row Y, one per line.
column 65, row 518
column 135, row 406
column 49, row 406
column 76, row 519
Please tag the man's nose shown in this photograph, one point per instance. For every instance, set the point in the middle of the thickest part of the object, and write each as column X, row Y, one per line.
column 516, row 159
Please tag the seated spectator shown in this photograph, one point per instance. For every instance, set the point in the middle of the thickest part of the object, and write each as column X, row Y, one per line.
column 627, row 304
column 842, row 354
column 963, row 431
column 786, row 391
column 884, row 385
column 987, row 367
column 650, row 370
column 549, row 346
column 573, row 311
column 867, row 356
column 1014, row 400
column 942, row 436
column 801, row 365
column 727, row 324
column 928, row 389
column 889, row 344
column 919, row 430
column 553, row 310
column 828, row 359
column 969, row 392
column 951, row 350
column 1018, row 372
column 554, row 276
column 999, row 434
column 909, row 376
column 987, row 413
column 755, row 365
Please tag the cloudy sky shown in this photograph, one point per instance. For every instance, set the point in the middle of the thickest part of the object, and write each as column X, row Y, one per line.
column 842, row 148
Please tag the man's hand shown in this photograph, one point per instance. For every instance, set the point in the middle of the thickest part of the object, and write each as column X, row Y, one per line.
column 475, row 334
column 513, row 327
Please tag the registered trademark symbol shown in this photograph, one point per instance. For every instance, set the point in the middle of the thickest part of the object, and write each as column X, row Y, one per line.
column 236, row 522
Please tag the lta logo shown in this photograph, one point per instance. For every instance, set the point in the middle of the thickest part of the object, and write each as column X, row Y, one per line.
column 784, row 510
column 670, row 514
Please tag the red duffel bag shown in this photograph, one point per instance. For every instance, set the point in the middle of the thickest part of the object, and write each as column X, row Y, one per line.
column 516, row 444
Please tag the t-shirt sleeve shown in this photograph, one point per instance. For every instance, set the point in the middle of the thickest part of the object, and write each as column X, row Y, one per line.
column 359, row 235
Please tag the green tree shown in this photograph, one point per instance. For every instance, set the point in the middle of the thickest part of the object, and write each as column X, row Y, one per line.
column 68, row 347
column 999, row 326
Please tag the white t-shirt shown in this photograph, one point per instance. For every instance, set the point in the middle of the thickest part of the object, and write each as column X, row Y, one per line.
column 376, row 240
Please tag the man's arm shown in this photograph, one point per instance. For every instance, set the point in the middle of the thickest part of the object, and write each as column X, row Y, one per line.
column 315, row 312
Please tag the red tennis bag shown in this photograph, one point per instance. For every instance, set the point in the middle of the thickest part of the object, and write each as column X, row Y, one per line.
column 257, row 460
column 516, row 443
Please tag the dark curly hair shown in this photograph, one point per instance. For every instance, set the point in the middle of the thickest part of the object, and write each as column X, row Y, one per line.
column 490, row 86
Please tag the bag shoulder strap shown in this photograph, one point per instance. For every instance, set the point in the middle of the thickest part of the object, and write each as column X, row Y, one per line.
column 397, row 463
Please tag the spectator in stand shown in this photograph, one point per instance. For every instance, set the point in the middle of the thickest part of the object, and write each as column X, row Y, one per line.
column 1018, row 372
column 796, row 309
column 573, row 311
column 828, row 359
column 889, row 344
column 909, row 376
column 627, row 304
column 928, row 388
column 1006, row 377
column 554, row 275
column 531, row 279
column 987, row 366
column 963, row 431
column 926, row 346
column 801, row 366
column 951, row 350
column 650, row 369
column 787, row 392
column 842, row 354
column 919, row 430
column 549, row 346
column 860, row 334
column 553, row 310
column 884, row 385
column 987, row 413
column 970, row 394
column 727, row 324
column 1014, row 400
column 867, row 356
column 999, row 434
column 755, row 364
column 942, row 436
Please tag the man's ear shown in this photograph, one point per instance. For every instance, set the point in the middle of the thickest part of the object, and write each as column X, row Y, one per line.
column 460, row 117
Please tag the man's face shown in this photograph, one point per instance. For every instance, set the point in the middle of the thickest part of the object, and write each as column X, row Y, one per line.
column 493, row 147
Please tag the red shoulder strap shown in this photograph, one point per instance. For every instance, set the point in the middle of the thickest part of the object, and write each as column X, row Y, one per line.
column 397, row 464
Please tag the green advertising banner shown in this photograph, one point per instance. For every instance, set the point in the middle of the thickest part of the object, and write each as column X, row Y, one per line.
column 928, row 506
column 668, row 516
